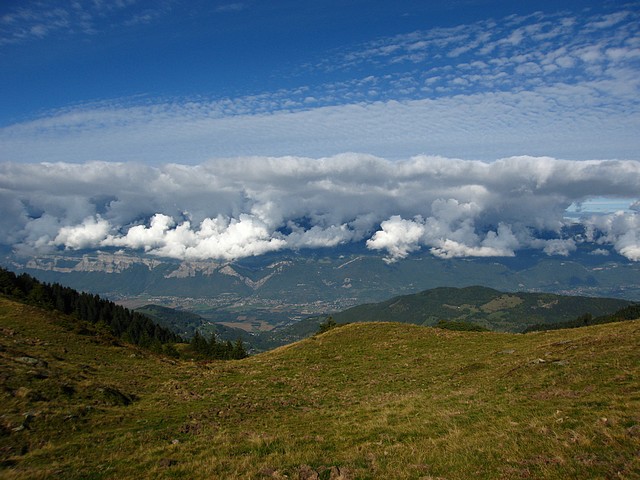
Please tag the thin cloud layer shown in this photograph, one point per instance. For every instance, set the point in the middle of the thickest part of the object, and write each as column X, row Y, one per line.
column 234, row 208
column 561, row 84
column 32, row 21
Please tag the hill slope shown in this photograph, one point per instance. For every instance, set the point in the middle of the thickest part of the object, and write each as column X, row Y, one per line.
column 510, row 312
column 187, row 323
column 381, row 400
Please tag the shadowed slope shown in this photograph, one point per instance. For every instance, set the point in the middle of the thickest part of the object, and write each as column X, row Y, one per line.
column 500, row 311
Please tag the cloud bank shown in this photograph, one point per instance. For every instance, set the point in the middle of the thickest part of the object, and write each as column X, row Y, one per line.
column 233, row 208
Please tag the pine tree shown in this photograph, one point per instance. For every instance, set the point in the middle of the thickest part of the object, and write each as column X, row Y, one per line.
column 238, row 351
column 327, row 325
column 199, row 344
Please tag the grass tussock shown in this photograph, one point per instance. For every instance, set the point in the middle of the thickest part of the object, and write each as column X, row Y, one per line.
column 365, row 401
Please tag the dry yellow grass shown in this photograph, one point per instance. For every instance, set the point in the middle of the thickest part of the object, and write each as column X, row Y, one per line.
column 373, row 401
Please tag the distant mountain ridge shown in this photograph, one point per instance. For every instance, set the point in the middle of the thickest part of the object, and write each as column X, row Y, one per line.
column 489, row 308
column 349, row 277
column 271, row 295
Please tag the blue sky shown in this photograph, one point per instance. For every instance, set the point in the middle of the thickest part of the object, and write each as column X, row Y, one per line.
column 172, row 81
column 466, row 127
column 56, row 54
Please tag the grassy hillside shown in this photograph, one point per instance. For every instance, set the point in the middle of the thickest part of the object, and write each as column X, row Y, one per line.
column 500, row 311
column 366, row 401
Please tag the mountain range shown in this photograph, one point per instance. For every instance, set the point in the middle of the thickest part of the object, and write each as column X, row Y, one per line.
column 274, row 290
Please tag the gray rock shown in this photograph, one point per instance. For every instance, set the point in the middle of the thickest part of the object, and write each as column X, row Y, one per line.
column 32, row 361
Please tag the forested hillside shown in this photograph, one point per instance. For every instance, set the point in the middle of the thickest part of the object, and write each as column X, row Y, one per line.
column 187, row 323
column 121, row 322
column 88, row 310
column 631, row 312
column 489, row 308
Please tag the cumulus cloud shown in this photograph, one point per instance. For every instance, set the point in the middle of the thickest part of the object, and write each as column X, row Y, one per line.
column 398, row 237
column 238, row 207
column 88, row 234
column 451, row 232
column 619, row 229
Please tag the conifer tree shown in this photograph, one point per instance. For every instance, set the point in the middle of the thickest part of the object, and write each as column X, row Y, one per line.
column 238, row 351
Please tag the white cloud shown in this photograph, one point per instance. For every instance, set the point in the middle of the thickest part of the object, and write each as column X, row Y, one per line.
column 227, row 239
column 502, row 242
column 632, row 249
column 88, row 234
column 316, row 237
column 574, row 121
column 237, row 207
column 31, row 21
column 620, row 229
column 452, row 249
column 558, row 246
column 451, row 232
column 398, row 237
column 141, row 236
column 609, row 20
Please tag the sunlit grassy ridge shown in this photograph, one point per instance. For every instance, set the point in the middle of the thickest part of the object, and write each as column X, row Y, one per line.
column 378, row 400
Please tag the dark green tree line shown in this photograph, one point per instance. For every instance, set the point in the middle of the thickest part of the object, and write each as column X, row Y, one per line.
column 214, row 349
column 120, row 321
column 631, row 312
